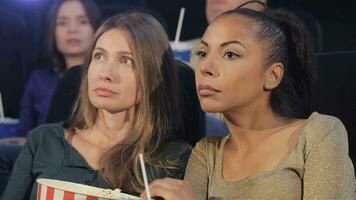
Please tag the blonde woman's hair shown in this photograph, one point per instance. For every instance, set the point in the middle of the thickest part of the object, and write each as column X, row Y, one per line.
column 157, row 113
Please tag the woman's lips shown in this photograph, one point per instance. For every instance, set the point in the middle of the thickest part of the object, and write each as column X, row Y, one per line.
column 104, row 92
column 207, row 90
column 73, row 41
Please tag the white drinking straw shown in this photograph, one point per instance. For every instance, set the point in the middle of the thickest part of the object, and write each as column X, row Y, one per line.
column 2, row 116
column 179, row 26
column 148, row 194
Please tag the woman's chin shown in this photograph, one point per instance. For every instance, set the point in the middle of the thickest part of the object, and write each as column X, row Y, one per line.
column 211, row 109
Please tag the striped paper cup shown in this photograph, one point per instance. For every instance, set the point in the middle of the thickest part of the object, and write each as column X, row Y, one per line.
column 50, row 189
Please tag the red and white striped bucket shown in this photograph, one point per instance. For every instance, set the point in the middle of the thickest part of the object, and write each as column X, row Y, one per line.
column 49, row 189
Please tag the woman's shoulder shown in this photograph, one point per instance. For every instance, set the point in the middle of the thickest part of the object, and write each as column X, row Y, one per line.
column 210, row 145
column 323, row 124
column 212, row 141
column 42, row 72
column 320, row 126
column 48, row 132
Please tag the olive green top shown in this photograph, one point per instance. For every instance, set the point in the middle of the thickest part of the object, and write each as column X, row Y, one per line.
column 318, row 167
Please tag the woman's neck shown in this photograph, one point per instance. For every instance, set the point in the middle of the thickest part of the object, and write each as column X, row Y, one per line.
column 254, row 120
column 109, row 129
column 74, row 60
column 248, row 127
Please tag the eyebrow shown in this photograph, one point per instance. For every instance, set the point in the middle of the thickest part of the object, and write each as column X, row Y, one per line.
column 120, row 52
column 80, row 17
column 224, row 43
column 232, row 42
column 83, row 16
column 205, row 43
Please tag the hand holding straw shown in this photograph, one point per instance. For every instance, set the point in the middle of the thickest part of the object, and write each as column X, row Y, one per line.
column 179, row 26
column 2, row 115
column 148, row 194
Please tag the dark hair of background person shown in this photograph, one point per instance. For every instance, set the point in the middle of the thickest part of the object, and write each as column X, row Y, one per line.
column 157, row 115
column 55, row 58
column 285, row 39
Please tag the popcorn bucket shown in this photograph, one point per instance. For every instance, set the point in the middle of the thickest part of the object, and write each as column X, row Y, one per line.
column 50, row 189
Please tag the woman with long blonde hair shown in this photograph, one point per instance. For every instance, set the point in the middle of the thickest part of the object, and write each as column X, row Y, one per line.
column 127, row 105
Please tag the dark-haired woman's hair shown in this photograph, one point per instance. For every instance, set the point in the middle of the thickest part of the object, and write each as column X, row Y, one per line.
column 285, row 39
column 54, row 57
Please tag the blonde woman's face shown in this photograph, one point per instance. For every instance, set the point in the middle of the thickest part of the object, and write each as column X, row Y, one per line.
column 112, row 83
column 73, row 32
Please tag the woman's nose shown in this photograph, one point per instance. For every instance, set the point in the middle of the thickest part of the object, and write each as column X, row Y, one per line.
column 107, row 72
column 208, row 67
column 73, row 26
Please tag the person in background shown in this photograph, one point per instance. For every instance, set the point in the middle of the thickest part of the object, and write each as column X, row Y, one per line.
column 71, row 24
column 214, row 8
column 127, row 105
column 257, row 68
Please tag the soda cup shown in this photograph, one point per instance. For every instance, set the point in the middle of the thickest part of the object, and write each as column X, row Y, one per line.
column 182, row 51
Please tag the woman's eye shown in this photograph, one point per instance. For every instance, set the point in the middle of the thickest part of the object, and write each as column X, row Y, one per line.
column 97, row 56
column 126, row 60
column 61, row 23
column 231, row 55
column 83, row 21
column 201, row 54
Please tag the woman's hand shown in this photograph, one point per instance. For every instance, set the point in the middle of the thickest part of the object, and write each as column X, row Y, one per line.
column 170, row 189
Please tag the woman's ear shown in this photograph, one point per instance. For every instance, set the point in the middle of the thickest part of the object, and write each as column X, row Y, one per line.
column 273, row 76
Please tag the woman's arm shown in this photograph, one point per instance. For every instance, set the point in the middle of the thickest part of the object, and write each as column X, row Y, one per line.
column 197, row 170
column 196, row 179
column 170, row 189
column 329, row 173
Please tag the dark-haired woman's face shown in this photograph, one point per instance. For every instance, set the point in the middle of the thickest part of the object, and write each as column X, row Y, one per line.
column 230, row 73
column 73, row 32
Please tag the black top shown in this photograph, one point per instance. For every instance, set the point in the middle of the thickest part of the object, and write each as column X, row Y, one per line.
column 47, row 154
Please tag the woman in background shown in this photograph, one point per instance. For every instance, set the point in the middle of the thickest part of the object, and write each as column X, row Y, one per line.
column 71, row 25
column 127, row 105
column 256, row 68
column 70, row 29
